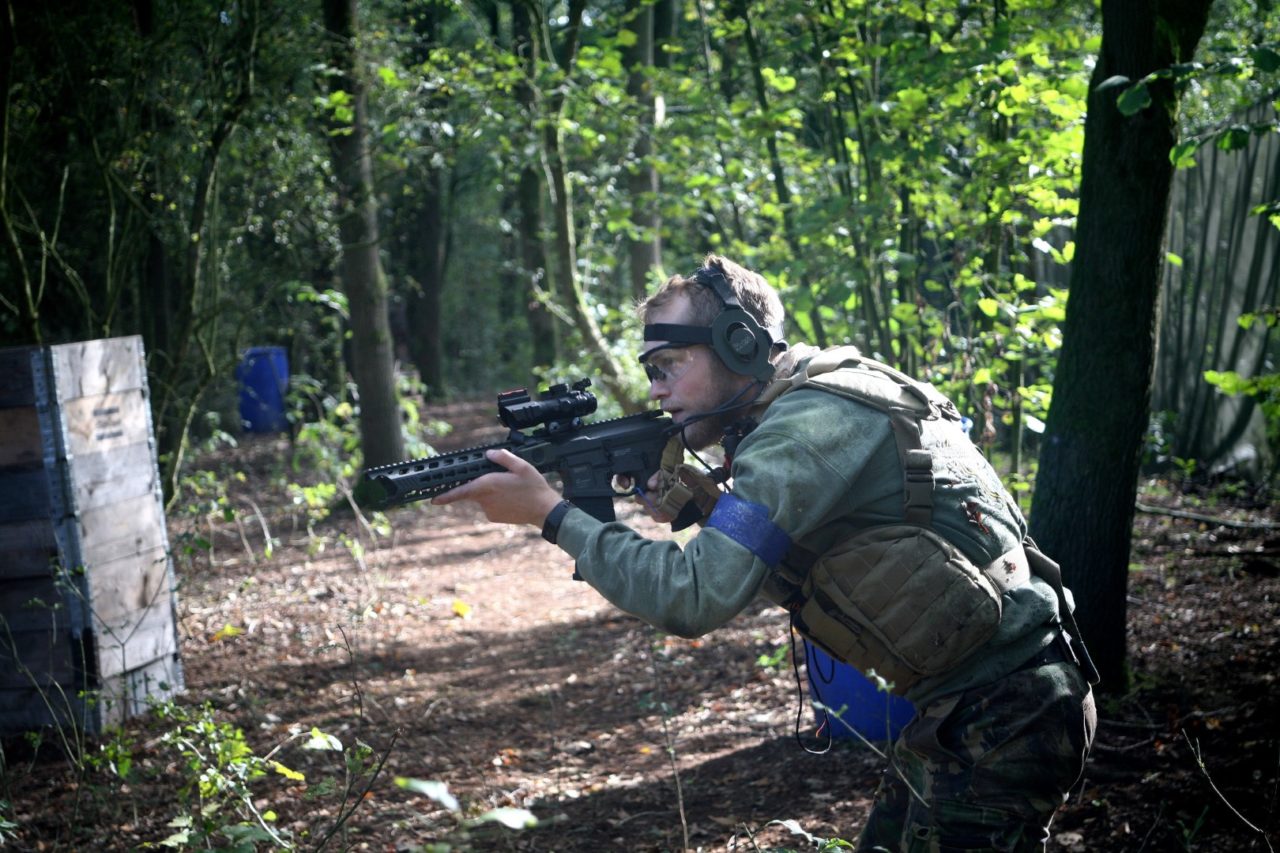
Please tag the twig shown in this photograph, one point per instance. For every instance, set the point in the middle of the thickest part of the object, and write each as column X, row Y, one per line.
column 344, row 816
column 1207, row 519
column 1195, row 751
column 262, row 522
column 355, row 674
column 671, row 748
column 1152, row 828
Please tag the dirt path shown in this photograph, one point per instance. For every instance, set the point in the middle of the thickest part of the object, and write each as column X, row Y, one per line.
column 461, row 652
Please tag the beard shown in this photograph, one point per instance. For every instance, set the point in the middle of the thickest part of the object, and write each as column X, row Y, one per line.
column 705, row 430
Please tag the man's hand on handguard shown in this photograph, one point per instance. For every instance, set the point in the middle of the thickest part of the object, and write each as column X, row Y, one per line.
column 519, row 495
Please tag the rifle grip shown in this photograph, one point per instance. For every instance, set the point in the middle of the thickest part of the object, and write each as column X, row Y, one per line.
column 600, row 508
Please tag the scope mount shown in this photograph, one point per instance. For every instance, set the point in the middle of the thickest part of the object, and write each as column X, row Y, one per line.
column 561, row 407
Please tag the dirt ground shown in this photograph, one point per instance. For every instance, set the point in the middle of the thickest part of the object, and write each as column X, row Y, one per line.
column 462, row 652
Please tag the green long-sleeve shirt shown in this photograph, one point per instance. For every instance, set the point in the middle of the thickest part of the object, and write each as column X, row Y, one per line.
column 822, row 465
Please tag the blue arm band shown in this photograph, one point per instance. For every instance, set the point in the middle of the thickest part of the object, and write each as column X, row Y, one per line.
column 748, row 524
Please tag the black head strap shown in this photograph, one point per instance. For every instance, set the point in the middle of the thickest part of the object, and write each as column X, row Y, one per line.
column 736, row 337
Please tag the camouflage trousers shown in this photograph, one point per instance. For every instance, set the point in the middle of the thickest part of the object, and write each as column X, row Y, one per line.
column 986, row 769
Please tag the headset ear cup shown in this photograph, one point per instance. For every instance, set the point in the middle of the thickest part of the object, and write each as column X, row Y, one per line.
column 742, row 344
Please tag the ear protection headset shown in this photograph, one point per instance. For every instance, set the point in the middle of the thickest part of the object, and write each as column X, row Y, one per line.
column 735, row 336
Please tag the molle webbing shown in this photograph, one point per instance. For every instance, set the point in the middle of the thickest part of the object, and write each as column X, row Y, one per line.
column 843, row 371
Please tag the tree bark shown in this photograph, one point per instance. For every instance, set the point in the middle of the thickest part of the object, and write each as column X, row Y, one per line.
column 1082, row 513
column 644, row 247
column 372, row 353
column 568, row 289
column 427, row 245
column 543, row 332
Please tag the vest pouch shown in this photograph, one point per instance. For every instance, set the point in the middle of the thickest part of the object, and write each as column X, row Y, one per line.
column 900, row 600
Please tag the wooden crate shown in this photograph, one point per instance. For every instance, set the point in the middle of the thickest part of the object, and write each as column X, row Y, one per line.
column 87, row 609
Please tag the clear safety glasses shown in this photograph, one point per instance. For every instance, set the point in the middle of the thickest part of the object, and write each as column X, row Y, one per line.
column 667, row 363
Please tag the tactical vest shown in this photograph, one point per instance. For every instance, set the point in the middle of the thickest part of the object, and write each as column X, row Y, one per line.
column 897, row 599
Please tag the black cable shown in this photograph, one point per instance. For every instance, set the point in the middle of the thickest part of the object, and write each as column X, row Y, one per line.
column 795, row 668
column 728, row 406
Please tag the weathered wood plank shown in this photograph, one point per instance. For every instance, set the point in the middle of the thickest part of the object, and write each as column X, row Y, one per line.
column 16, row 386
column 27, row 709
column 134, row 639
column 27, row 549
column 104, row 471
column 24, row 494
column 40, row 659
column 99, row 479
column 94, row 368
column 34, row 534
column 125, row 695
column 105, row 422
column 115, row 530
column 33, row 604
column 20, row 441
column 133, row 583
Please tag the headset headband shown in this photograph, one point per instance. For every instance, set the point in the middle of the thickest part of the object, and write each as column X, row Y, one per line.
column 736, row 337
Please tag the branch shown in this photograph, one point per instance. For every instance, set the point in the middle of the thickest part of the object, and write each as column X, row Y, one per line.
column 1207, row 519
column 1195, row 751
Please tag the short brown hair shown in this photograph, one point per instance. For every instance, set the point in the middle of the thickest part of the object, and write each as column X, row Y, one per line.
column 756, row 295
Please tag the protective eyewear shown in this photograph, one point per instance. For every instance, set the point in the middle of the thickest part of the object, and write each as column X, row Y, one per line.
column 667, row 363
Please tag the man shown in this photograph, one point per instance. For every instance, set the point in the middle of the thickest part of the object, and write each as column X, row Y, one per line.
column 857, row 502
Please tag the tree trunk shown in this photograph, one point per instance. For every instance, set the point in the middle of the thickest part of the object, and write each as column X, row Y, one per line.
column 427, row 245
column 568, row 289
column 1082, row 514
column 533, row 260
column 428, row 258
column 644, row 247
column 372, row 353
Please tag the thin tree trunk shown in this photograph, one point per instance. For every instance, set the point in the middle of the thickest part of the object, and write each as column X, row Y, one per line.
column 372, row 352
column 543, row 331
column 644, row 249
column 568, row 289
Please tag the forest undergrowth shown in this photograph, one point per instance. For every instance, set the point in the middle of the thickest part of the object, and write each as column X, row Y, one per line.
column 440, row 683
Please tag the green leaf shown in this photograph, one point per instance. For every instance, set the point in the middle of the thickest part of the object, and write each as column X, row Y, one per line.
column 508, row 817
column 1113, row 82
column 989, row 306
column 321, row 741
column 1182, row 155
column 1134, row 100
column 291, row 775
column 627, row 38
column 1265, row 58
column 1234, row 138
column 437, row 791
column 1227, row 381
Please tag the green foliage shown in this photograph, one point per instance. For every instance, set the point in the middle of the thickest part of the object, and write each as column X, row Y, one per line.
column 905, row 173
column 221, row 780
column 465, row 827
column 217, row 770
column 7, row 827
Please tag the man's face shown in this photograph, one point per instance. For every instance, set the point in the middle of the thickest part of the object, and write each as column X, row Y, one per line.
column 691, row 380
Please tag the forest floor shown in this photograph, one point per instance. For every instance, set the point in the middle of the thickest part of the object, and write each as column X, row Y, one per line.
column 459, row 652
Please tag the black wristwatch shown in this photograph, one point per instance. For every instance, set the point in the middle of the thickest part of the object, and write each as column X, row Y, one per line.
column 551, row 527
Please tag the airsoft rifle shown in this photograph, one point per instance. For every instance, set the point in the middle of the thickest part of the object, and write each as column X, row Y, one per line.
column 587, row 457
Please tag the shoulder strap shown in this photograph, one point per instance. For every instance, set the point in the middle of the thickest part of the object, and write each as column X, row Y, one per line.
column 845, row 372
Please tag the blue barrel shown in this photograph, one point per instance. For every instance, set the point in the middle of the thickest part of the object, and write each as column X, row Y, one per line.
column 263, row 374
column 875, row 714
